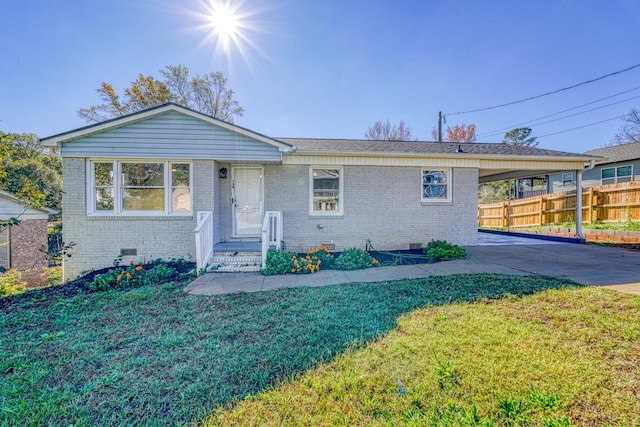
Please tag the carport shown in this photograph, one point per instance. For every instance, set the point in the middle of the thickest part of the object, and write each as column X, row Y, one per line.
column 518, row 168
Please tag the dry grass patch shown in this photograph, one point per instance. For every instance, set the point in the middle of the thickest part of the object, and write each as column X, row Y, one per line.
column 556, row 358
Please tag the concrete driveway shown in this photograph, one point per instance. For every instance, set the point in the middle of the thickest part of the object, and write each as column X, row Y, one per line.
column 586, row 264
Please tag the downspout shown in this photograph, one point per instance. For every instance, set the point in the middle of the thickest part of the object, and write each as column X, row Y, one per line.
column 579, row 233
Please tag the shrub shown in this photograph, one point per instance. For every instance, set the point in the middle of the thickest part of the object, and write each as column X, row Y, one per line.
column 132, row 276
column 443, row 250
column 354, row 259
column 279, row 261
column 325, row 257
column 307, row 264
column 11, row 283
column 53, row 275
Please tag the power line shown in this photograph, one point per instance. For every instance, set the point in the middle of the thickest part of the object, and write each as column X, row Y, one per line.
column 546, row 93
column 580, row 127
column 576, row 114
column 498, row 131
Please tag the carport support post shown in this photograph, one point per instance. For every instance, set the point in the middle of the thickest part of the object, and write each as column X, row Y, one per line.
column 579, row 234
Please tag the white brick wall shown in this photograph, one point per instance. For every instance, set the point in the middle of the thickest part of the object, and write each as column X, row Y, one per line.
column 98, row 240
column 381, row 204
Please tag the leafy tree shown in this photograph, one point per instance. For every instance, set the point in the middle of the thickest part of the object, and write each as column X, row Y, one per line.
column 520, row 136
column 383, row 130
column 31, row 171
column 207, row 94
column 458, row 133
column 629, row 131
column 492, row 192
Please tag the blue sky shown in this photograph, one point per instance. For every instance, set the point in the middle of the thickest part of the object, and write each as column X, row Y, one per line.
column 331, row 68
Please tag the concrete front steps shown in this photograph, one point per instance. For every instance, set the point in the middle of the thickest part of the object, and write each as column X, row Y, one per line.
column 236, row 257
column 235, row 262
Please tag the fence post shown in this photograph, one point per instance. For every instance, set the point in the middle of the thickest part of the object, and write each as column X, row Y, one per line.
column 541, row 210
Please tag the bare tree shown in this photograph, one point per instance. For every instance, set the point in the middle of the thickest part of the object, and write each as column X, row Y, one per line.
column 383, row 130
column 629, row 131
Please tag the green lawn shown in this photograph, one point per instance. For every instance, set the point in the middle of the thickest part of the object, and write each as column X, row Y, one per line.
column 322, row 356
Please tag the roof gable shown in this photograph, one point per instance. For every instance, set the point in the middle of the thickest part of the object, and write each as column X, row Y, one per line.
column 12, row 206
column 169, row 132
column 145, row 115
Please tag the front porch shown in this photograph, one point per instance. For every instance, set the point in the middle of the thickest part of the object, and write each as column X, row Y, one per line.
column 235, row 256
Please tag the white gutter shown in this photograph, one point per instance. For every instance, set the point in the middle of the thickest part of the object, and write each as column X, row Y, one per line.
column 579, row 233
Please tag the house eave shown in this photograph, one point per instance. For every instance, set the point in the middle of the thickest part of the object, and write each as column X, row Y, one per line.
column 468, row 156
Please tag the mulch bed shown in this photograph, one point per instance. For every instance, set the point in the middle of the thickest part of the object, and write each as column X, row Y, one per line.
column 75, row 287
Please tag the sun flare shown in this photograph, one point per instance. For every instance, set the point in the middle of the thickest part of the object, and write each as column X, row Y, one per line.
column 224, row 21
column 230, row 27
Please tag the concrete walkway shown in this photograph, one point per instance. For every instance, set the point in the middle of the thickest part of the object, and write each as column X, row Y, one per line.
column 586, row 264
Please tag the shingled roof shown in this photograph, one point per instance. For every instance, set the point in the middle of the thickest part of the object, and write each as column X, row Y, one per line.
column 617, row 153
column 389, row 148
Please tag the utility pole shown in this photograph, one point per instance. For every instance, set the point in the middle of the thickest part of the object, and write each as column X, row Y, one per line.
column 439, row 126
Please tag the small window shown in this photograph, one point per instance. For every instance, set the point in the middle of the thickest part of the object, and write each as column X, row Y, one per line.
column 623, row 174
column 617, row 174
column 326, row 191
column 567, row 179
column 436, row 185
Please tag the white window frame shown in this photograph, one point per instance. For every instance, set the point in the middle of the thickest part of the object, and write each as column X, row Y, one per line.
column 117, row 188
column 616, row 177
column 562, row 178
column 340, row 210
column 449, row 190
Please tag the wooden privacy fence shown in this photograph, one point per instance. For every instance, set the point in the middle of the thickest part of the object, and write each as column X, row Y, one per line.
column 605, row 203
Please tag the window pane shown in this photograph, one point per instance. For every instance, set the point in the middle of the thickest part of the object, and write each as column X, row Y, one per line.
column 179, row 175
column 104, row 199
column 181, row 200
column 624, row 171
column 143, row 199
column 103, row 186
column 608, row 173
column 326, row 190
column 434, row 185
column 180, row 190
column 143, row 174
column 104, row 174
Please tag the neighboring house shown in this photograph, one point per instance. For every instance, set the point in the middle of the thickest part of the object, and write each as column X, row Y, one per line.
column 24, row 246
column 621, row 164
column 139, row 185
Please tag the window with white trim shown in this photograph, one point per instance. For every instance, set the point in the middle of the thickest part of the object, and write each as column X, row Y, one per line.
column 436, row 185
column 131, row 187
column 617, row 174
column 567, row 179
column 325, row 189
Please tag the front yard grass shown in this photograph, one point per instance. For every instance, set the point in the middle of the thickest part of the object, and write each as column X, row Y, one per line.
column 408, row 352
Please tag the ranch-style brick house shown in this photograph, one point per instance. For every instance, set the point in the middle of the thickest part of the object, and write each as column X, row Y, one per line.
column 169, row 182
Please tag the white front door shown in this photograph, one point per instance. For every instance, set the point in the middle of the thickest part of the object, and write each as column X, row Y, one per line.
column 247, row 201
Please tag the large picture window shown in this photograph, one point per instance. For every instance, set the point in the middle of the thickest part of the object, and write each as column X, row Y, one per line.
column 326, row 191
column 436, row 185
column 617, row 174
column 143, row 188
